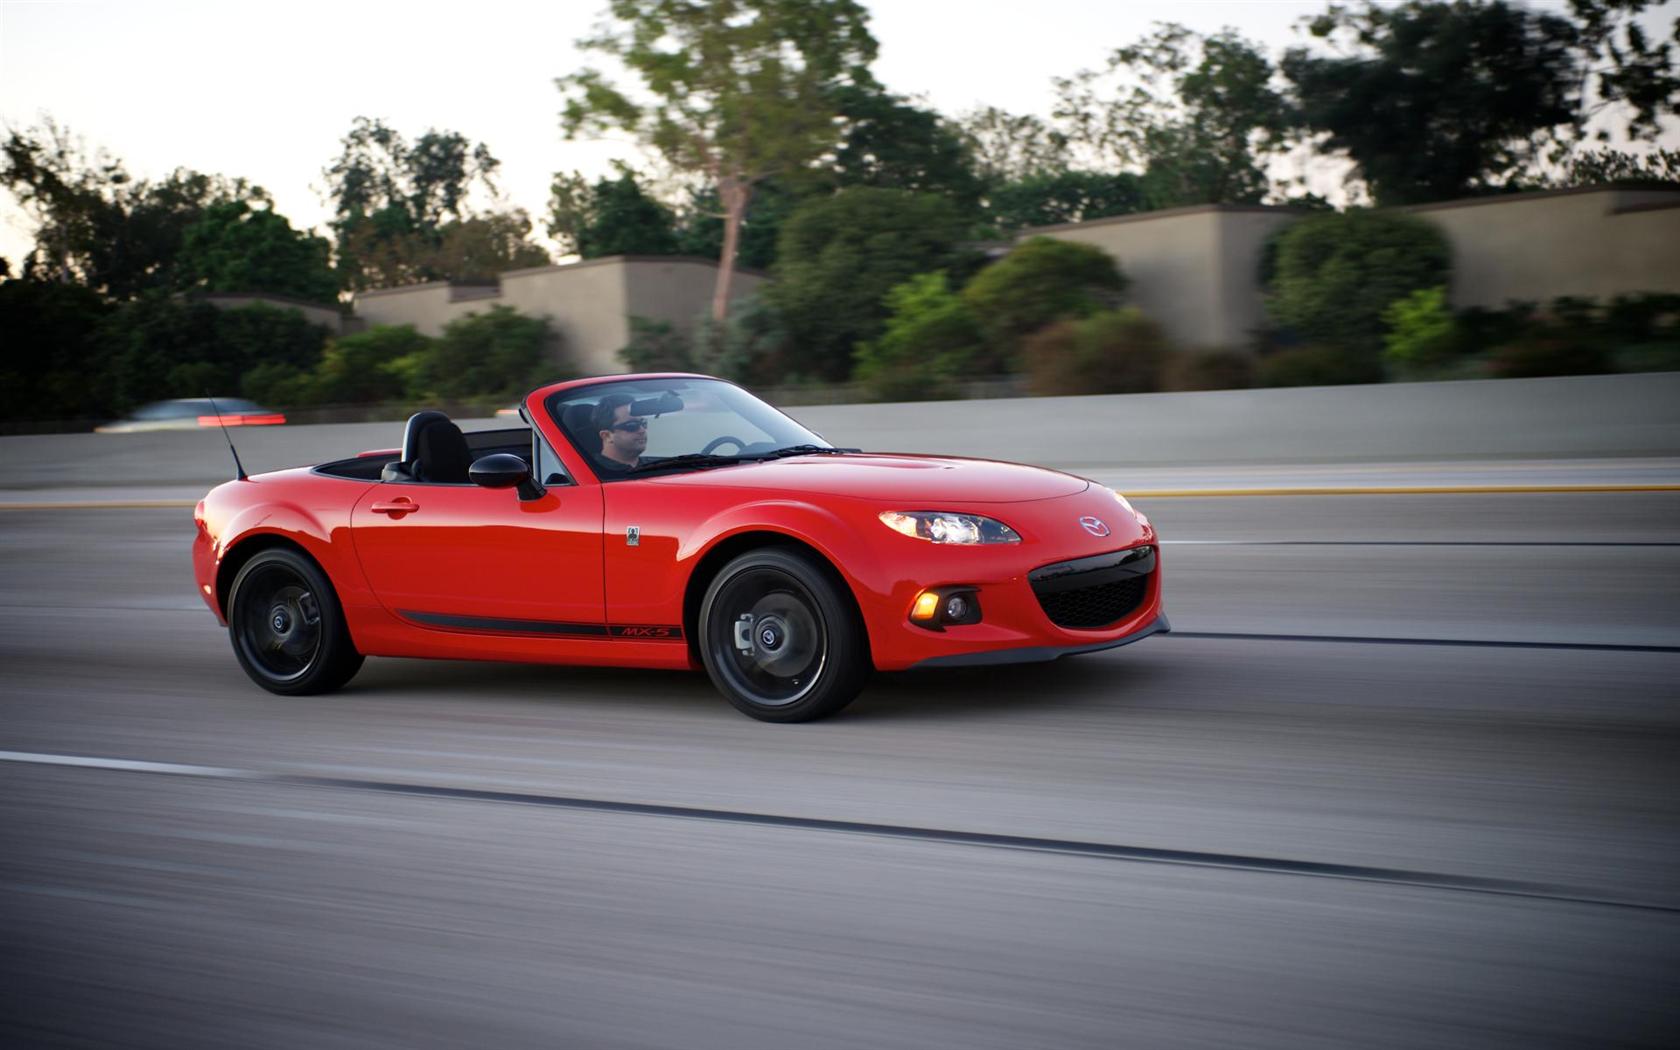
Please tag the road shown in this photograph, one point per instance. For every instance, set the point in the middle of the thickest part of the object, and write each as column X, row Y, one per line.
column 1405, row 775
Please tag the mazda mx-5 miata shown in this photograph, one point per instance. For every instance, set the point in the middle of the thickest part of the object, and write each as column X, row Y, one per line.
column 669, row 521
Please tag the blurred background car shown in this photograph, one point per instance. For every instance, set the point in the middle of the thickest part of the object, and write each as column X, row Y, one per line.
column 187, row 413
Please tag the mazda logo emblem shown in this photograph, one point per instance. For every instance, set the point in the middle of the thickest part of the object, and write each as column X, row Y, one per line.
column 1094, row 526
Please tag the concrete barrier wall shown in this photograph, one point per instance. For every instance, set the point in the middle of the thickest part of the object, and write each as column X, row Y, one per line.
column 1586, row 416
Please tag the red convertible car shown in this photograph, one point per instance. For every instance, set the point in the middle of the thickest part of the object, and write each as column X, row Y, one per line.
column 670, row 521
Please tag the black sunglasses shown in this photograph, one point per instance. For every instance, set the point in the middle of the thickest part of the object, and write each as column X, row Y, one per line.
column 631, row 425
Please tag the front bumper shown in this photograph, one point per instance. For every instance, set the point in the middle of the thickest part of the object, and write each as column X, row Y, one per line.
column 1037, row 654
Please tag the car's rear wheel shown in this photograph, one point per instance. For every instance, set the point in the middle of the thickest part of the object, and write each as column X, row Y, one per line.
column 780, row 638
column 287, row 627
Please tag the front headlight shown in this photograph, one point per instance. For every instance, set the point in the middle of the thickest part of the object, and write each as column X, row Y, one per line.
column 937, row 526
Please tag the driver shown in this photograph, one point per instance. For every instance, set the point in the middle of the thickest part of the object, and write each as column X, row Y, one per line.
column 623, row 436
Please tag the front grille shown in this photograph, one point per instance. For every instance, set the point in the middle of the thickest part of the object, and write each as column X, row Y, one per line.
column 1094, row 592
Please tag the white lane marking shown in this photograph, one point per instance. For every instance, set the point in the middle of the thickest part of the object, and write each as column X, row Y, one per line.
column 128, row 765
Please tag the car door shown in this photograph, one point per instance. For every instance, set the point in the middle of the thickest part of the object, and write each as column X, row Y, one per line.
column 463, row 557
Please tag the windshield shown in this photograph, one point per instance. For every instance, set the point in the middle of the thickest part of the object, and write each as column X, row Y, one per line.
column 638, row 427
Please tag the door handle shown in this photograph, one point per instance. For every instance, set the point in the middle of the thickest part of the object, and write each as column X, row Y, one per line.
column 396, row 508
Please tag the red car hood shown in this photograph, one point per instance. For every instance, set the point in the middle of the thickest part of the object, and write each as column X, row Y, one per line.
column 913, row 482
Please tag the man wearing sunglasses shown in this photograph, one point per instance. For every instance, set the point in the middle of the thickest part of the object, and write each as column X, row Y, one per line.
column 623, row 437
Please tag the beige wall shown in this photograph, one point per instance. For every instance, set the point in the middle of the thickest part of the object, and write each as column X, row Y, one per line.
column 589, row 303
column 1535, row 247
column 1191, row 269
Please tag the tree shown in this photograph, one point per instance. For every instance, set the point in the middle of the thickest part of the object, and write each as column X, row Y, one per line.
column 609, row 217
column 1197, row 114
column 701, row 223
column 235, row 247
column 736, row 91
column 97, row 224
column 403, row 213
column 889, row 143
column 1434, row 100
column 51, row 359
column 1067, row 196
column 1593, row 167
column 838, row 258
column 1009, row 147
column 1336, row 274
column 1042, row 281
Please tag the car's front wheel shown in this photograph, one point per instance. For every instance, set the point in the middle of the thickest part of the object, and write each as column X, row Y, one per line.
column 780, row 638
column 287, row 627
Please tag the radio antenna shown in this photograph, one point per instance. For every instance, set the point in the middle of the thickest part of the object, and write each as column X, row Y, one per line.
column 238, row 467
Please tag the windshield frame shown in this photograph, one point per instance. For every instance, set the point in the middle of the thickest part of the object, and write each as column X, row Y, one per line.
column 554, row 406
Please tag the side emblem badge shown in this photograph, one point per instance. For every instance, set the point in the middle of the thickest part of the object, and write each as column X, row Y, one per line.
column 1094, row 526
column 633, row 536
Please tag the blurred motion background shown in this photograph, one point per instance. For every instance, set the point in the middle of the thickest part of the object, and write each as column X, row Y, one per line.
column 1373, row 308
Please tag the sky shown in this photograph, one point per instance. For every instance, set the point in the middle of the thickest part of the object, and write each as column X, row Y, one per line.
column 266, row 91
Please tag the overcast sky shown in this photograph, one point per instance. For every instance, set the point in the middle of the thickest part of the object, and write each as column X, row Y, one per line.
column 266, row 91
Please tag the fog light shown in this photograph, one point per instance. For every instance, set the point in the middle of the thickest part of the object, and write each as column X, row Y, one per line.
column 927, row 606
column 956, row 607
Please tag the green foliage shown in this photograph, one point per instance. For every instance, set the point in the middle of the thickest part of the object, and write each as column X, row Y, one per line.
column 1197, row 113
column 403, row 212
column 1439, row 100
column 1656, row 167
column 98, row 225
column 1318, row 365
column 930, row 340
column 657, row 346
column 234, row 247
column 499, row 353
column 750, row 346
column 159, row 346
column 1209, row 370
column 1336, row 273
column 839, row 256
column 736, row 91
column 1009, row 147
column 1065, row 196
column 51, row 357
column 610, row 217
column 1582, row 337
column 1421, row 331
column 702, row 222
column 1042, row 281
column 363, row 367
column 889, row 143
column 1110, row 352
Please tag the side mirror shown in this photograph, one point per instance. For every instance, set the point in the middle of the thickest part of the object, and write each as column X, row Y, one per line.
column 504, row 470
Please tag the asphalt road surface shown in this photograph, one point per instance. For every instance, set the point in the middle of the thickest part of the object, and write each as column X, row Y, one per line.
column 1404, row 776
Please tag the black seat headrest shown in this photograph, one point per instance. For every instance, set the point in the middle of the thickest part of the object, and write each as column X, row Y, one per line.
column 579, row 421
column 434, row 449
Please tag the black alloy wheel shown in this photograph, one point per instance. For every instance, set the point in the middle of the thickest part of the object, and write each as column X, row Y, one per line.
column 287, row 627
column 780, row 639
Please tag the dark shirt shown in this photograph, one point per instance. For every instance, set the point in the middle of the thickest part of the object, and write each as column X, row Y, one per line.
column 604, row 465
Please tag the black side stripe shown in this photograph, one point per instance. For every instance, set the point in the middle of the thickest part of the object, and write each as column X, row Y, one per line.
column 552, row 628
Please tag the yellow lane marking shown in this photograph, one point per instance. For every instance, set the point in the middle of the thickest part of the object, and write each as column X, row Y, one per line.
column 1368, row 490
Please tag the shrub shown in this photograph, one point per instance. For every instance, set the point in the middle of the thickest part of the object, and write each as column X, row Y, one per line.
column 655, row 346
column 1209, row 370
column 1043, row 280
column 1548, row 351
column 360, row 368
column 1318, row 366
column 497, row 354
column 1113, row 352
column 1422, row 333
column 1336, row 274
column 931, row 339
column 839, row 256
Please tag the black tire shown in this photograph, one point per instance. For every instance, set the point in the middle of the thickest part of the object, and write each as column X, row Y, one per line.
column 287, row 627
column 807, row 655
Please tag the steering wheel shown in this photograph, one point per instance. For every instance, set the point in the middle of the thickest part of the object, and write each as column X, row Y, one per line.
column 712, row 445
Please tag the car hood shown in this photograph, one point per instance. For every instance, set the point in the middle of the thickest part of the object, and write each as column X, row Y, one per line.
column 912, row 482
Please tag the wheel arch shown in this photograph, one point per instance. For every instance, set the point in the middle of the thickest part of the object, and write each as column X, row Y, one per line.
column 248, row 547
column 734, row 545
